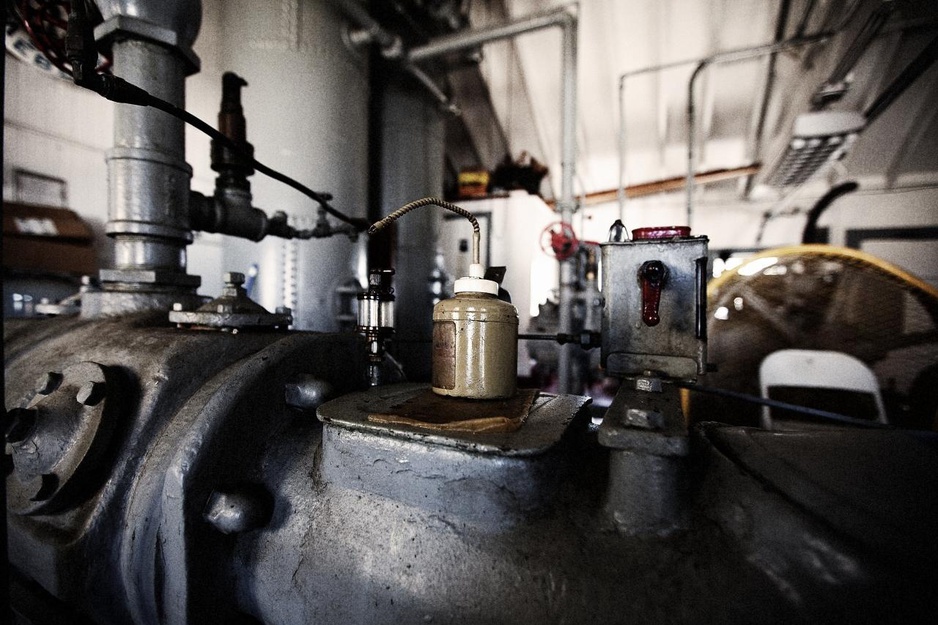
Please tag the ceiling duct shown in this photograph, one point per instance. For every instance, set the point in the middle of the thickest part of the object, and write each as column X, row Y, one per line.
column 818, row 137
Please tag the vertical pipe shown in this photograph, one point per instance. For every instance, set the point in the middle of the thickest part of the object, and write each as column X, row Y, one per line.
column 147, row 172
column 620, row 191
column 567, row 202
column 692, row 138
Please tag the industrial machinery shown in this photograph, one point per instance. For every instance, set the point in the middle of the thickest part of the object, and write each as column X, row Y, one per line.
column 171, row 460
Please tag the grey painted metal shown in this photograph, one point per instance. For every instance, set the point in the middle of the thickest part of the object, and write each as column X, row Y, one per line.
column 232, row 311
column 299, row 62
column 676, row 346
column 567, row 202
column 380, row 524
column 307, row 392
column 648, row 492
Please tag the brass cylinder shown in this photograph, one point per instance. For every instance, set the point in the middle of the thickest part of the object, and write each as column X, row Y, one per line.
column 475, row 347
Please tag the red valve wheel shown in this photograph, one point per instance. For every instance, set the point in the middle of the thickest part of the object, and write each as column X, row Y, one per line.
column 559, row 240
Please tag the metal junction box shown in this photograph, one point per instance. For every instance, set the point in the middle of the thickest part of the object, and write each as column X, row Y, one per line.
column 654, row 316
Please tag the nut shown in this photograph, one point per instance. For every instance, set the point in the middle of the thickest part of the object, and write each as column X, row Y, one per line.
column 233, row 277
column 91, row 393
column 48, row 382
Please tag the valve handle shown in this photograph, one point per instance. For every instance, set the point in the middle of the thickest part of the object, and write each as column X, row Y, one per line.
column 653, row 275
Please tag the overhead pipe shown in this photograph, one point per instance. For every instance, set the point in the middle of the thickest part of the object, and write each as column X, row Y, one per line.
column 910, row 74
column 770, row 75
column 621, row 196
column 392, row 49
column 730, row 56
column 567, row 20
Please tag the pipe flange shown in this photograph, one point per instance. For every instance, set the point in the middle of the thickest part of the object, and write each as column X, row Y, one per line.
column 231, row 312
column 57, row 438
column 150, row 277
column 126, row 24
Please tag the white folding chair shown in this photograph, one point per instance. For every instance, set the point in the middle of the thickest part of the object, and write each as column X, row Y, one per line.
column 807, row 369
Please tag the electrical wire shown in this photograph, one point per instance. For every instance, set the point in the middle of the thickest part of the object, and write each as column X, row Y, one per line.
column 323, row 199
column 774, row 403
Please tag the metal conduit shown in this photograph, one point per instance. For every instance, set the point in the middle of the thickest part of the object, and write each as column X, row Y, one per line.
column 392, row 49
column 847, row 16
column 567, row 20
column 730, row 56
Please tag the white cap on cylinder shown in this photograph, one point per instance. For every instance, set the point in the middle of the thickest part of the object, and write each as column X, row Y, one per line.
column 475, row 282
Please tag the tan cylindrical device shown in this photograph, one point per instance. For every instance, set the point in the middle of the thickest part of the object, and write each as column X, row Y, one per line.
column 475, row 341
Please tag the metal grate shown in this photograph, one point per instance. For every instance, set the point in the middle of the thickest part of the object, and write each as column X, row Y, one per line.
column 818, row 138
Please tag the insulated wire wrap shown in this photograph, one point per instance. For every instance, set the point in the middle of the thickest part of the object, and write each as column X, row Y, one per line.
column 432, row 201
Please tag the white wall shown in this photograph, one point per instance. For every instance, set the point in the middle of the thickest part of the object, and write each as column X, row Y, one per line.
column 53, row 128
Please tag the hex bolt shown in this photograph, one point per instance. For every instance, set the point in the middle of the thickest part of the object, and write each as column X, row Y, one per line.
column 234, row 278
column 91, row 393
column 239, row 509
column 20, row 423
column 48, row 382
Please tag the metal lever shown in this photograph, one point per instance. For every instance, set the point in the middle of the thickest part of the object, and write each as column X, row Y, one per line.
column 653, row 275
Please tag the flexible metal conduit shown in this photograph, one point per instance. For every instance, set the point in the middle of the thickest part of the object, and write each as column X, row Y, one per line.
column 567, row 20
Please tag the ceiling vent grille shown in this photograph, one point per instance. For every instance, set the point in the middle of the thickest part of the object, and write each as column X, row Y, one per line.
column 819, row 137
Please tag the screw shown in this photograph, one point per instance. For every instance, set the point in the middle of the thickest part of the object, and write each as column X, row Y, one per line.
column 177, row 306
column 48, row 382
column 20, row 423
column 91, row 393
column 234, row 278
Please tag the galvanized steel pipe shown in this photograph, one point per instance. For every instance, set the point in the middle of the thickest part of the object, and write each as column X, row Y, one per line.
column 147, row 171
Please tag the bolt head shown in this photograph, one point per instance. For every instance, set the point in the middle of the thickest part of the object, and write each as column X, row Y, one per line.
column 234, row 277
column 91, row 393
column 48, row 382
column 177, row 306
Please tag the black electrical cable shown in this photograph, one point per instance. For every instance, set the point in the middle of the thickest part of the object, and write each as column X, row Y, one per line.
column 83, row 58
column 323, row 200
column 773, row 403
